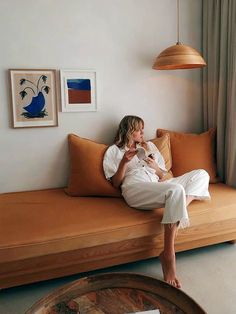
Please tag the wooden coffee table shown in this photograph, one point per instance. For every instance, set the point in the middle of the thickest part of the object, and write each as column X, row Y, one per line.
column 116, row 293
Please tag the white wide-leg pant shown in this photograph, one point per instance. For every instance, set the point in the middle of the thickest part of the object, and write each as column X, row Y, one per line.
column 170, row 194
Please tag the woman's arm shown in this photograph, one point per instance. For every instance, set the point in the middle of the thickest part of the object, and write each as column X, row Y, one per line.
column 157, row 162
column 152, row 163
column 120, row 173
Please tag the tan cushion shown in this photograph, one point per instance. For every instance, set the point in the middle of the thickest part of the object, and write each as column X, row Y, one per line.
column 163, row 145
column 86, row 171
column 192, row 151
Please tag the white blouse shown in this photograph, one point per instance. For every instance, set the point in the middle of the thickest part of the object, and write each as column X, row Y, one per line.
column 137, row 170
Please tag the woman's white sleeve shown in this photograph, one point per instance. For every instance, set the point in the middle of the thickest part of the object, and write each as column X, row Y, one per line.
column 110, row 162
column 161, row 162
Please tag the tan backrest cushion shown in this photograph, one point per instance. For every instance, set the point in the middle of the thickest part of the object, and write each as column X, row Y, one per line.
column 86, row 171
column 163, row 145
column 192, row 151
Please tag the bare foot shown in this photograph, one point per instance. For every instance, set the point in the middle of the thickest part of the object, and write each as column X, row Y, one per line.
column 169, row 270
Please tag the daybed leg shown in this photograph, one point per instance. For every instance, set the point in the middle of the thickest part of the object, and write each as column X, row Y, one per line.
column 232, row 242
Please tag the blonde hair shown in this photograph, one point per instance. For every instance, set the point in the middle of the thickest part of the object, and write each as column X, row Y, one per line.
column 127, row 126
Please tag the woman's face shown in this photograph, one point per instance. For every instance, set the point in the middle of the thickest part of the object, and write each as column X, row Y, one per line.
column 137, row 135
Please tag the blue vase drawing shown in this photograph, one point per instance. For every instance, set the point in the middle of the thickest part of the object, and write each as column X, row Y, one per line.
column 36, row 106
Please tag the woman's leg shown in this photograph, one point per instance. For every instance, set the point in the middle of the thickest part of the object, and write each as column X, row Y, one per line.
column 195, row 183
column 156, row 195
column 167, row 256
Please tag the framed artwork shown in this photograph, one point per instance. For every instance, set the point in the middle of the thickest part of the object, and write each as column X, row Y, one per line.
column 78, row 90
column 34, row 98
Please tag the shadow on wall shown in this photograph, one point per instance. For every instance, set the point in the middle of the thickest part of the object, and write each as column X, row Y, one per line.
column 106, row 134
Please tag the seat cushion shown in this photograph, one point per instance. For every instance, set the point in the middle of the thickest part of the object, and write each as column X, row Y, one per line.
column 49, row 221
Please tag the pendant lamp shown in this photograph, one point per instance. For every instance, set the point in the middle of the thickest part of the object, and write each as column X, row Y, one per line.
column 178, row 56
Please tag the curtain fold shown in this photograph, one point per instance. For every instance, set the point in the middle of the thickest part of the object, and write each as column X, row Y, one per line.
column 219, row 81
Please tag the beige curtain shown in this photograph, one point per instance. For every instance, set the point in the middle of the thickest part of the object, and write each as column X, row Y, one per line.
column 219, row 81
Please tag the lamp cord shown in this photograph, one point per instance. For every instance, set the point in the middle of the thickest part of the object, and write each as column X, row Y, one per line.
column 178, row 22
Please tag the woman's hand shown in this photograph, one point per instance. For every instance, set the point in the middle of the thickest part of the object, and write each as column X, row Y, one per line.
column 152, row 164
column 129, row 155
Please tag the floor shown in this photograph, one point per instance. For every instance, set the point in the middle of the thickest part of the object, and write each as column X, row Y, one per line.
column 208, row 275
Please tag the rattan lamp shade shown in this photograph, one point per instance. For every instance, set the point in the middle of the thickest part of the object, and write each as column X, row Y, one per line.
column 178, row 57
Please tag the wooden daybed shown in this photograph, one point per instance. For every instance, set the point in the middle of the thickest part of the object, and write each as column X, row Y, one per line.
column 48, row 234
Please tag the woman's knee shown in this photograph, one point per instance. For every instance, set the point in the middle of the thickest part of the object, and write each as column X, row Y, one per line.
column 203, row 174
column 199, row 174
column 176, row 189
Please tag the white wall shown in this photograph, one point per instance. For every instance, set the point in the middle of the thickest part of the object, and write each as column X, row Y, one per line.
column 118, row 38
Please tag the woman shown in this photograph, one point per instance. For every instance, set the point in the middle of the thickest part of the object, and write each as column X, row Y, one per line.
column 143, row 185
